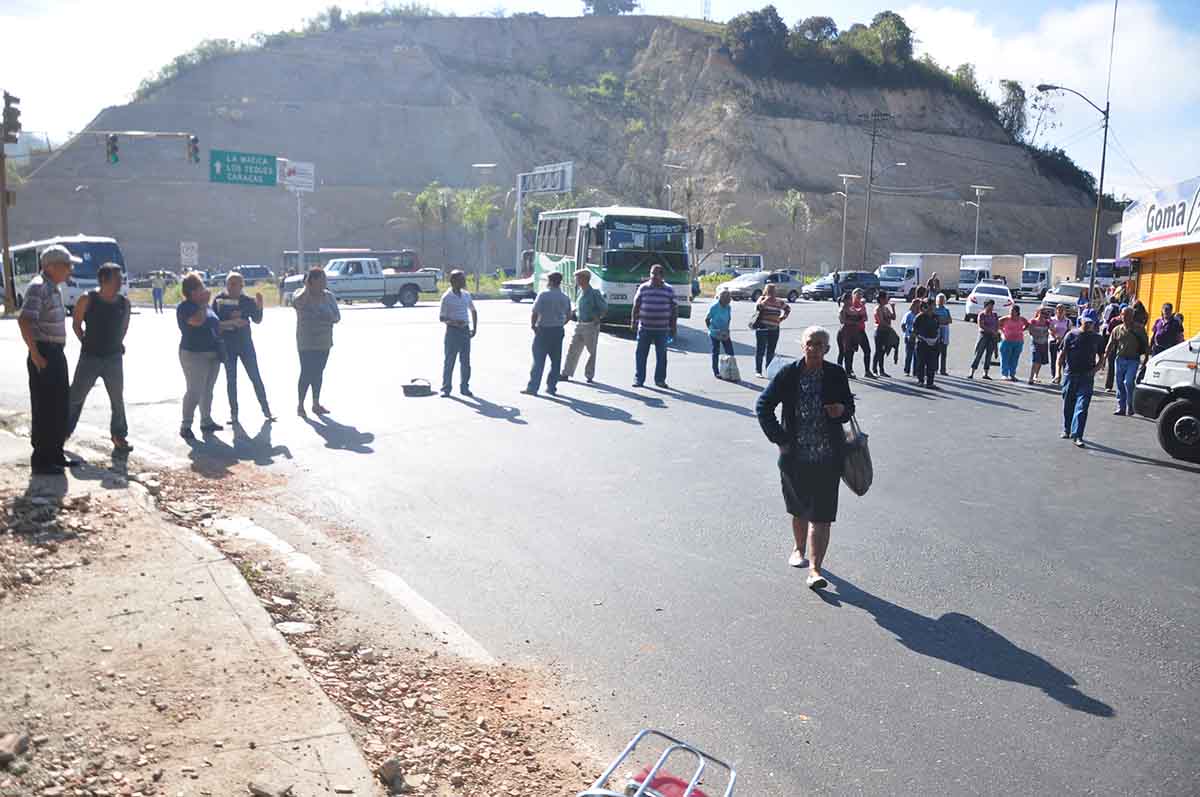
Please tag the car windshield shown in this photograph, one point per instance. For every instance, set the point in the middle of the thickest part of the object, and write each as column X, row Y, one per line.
column 992, row 290
column 1074, row 291
column 892, row 272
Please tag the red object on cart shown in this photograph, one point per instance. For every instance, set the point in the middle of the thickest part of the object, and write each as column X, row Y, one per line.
column 667, row 785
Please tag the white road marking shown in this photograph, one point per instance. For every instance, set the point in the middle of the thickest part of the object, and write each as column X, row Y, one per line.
column 245, row 529
column 459, row 641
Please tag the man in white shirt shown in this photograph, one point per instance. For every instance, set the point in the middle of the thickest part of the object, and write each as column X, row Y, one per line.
column 551, row 310
column 462, row 322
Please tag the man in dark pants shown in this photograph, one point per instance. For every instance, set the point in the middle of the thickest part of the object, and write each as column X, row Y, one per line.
column 551, row 311
column 462, row 322
column 44, row 330
column 1081, row 355
column 928, row 331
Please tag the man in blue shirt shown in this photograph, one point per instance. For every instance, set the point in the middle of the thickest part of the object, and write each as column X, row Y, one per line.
column 654, row 320
column 551, row 310
column 1082, row 352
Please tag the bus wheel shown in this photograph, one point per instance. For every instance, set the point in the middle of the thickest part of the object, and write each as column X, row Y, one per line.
column 409, row 296
column 389, row 301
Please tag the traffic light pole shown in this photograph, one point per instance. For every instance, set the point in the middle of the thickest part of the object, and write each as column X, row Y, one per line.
column 10, row 285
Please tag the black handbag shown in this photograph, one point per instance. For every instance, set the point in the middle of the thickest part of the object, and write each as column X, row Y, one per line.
column 857, row 470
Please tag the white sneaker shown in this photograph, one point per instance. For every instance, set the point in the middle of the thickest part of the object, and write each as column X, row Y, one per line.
column 815, row 581
column 798, row 559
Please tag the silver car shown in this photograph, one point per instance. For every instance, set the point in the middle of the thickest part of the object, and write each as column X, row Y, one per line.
column 752, row 286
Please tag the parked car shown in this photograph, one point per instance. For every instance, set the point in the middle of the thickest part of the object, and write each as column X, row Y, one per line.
column 983, row 291
column 752, row 286
column 1170, row 393
column 216, row 279
column 820, row 288
column 255, row 274
column 1068, row 295
column 363, row 279
column 846, row 281
column 519, row 289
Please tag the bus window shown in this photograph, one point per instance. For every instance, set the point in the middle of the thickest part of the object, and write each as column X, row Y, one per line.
column 25, row 262
column 569, row 246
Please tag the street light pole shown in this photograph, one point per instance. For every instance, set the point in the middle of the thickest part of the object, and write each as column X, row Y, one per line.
column 845, row 192
column 978, row 203
column 668, row 187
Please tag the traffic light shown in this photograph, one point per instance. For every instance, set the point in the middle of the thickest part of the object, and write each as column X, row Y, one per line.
column 112, row 149
column 12, row 118
column 193, row 151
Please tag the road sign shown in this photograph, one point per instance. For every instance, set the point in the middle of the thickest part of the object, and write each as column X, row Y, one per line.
column 297, row 175
column 189, row 254
column 553, row 178
column 243, row 168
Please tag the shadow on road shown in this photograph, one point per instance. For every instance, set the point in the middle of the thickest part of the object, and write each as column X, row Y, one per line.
column 115, row 477
column 649, row 401
column 1138, row 458
column 589, row 409
column 341, row 437
column 489, row 410
column 702, row 401
column 211, row 457
column 958, row 639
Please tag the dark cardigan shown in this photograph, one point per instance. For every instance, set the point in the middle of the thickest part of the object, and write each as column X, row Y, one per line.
column 835, row 389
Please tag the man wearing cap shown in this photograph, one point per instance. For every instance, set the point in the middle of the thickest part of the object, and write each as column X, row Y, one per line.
column 551, row 310
column 44, row 330
column 1082, row 352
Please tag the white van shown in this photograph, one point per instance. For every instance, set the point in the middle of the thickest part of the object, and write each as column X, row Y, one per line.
column 1170, row 392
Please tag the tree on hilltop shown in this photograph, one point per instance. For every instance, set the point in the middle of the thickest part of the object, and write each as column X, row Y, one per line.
column 1012, row 109
column 757, row 39
column 608, row 8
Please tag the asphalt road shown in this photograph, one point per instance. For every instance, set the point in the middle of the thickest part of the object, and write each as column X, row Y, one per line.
column 1007, row 613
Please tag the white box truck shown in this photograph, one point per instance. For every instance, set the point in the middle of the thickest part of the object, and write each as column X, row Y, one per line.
column 1042, row 272
column 974, row 268
column 904, row 271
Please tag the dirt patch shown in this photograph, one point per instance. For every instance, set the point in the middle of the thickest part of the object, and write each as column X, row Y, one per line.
column 43, row 537
column 428, row 723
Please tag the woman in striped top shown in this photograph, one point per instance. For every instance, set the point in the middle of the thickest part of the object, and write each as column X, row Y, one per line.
column 770, row 313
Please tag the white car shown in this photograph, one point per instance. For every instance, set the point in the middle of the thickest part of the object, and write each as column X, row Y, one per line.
column 983, row 291
column 1068, row 294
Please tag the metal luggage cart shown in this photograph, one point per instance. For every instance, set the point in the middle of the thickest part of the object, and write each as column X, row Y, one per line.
column 654, row 780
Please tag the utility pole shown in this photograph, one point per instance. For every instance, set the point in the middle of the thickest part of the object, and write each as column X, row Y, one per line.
column 875, row 117
column 845, row 192
column 978, row 203
column 11, row 129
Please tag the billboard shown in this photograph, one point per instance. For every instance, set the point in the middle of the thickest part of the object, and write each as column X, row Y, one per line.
column 1169, row 217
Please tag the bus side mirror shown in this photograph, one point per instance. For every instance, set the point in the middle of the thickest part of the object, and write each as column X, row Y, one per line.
column 699, row 238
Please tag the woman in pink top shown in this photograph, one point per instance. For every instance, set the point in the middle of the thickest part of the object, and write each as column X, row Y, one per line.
column 1060, row 325
column 1012, row 340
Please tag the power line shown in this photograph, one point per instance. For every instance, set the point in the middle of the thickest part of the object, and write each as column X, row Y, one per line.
column 1124, row 154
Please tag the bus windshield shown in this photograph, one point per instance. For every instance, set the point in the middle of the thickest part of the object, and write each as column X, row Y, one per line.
column 645, row 236
column 1104, row 269
column 94, row 254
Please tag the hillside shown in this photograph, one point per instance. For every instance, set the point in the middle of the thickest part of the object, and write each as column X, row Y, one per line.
column 389, row 109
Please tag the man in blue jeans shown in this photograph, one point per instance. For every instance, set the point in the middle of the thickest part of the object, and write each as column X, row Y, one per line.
column 654, row 318
column 551, row 310
column 1082, row 353
column 462, row 322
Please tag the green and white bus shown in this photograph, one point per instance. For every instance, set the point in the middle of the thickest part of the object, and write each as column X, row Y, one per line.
column 618, row 245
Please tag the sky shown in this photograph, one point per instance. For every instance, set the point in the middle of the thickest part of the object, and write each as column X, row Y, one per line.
column 1155, row 130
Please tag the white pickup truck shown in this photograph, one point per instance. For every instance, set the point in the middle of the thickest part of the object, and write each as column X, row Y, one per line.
column 362, row 279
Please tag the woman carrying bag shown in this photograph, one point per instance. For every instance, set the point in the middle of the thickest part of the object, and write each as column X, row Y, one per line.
column 816, row 400
column 717, row 321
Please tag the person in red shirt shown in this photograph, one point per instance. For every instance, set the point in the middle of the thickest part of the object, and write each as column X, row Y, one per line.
column 854, row 334
column 1012, row 340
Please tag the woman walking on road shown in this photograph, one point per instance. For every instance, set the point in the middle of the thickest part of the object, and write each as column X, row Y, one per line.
column 910, row 336
column 717, row 321
column 1060, row 325
column 944, row 320
column 928, row 331
column 885, row 337
column 770, row 313
column 816, row 402
column 316, row 313
column 989, row 332
column 854, row 333
column 1039, row 337
column 1012, row 332
column 199, row 354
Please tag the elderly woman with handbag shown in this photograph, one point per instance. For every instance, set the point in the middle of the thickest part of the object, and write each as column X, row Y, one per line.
column 816, row 400
column 719, row 315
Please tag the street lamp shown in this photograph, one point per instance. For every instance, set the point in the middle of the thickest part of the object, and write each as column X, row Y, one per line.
column 668, row 187
column 484, row 170
column 978, row 204
column 867, row 224
column 845, row 193
column 1103, row 157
